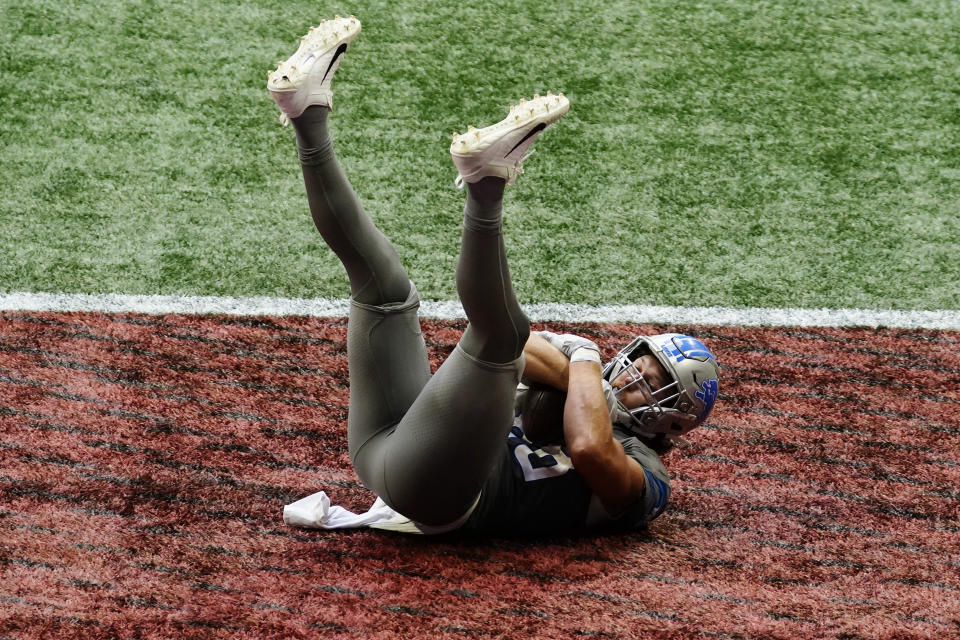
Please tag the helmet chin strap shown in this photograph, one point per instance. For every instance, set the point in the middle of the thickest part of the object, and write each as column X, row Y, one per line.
column 625, row 419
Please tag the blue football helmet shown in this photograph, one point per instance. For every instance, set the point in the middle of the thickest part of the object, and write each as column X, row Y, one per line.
column 679, row 406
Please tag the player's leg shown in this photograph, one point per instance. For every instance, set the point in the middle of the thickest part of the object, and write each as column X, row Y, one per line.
column 432, row 467
column 498, row 328
column 372, row 265
column 301, row 87
column 386, row 352
column 489, row 159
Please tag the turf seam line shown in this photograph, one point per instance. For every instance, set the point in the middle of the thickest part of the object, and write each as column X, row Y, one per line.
column 449, row 310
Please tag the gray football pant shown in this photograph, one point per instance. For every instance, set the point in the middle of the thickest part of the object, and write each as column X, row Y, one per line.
column 425, row 444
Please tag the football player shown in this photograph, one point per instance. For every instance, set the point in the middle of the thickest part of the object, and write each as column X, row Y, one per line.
column 443, row 450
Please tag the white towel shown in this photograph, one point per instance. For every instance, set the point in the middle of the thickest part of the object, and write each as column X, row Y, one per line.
column 316, row 512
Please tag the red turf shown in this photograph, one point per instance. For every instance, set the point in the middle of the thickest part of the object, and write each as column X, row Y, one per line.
column 145, row 462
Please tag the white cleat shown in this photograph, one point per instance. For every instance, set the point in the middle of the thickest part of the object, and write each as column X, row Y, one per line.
column 500, row 149
column 304, row 78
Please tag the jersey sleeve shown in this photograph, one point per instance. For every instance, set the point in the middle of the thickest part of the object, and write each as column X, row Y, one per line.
column 656, row 486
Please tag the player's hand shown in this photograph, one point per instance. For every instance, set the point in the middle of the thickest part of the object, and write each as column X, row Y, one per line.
column 576, row 348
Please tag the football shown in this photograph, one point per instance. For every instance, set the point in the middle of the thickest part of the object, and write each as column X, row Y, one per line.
column 541, row 414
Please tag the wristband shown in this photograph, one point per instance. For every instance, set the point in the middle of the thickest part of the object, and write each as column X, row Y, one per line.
column 585, row 354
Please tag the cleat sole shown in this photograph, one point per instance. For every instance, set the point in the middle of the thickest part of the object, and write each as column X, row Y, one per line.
column 542, row 109
column 329, row 34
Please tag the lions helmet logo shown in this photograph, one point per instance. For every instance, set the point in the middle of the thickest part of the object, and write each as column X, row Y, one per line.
column 681, row 347
column 707, row 394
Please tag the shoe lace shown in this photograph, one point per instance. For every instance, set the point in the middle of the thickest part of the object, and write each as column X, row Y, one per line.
column 519, row 165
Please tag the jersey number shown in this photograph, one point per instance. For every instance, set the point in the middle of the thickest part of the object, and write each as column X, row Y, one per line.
column 537, row 464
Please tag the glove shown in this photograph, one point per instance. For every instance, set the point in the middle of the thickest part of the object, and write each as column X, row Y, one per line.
column 576, row 348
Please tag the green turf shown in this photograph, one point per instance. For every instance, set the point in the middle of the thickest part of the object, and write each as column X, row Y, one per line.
column 723, row 152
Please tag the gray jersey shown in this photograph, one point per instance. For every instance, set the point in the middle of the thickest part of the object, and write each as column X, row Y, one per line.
column 538, row 491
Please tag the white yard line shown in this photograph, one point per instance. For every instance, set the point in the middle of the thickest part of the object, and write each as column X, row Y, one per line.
column 261, row 306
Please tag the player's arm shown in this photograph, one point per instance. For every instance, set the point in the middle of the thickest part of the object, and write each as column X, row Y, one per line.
column 615, row 478
column 544, row 363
